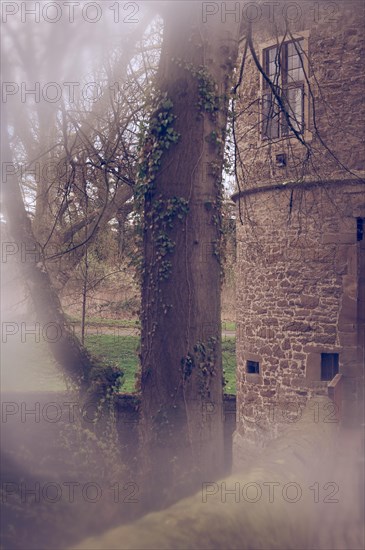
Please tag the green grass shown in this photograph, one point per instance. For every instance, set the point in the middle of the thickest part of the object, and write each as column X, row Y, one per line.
column 123, row 351
column 229, row 325
column 31, row 367
column 229, row 363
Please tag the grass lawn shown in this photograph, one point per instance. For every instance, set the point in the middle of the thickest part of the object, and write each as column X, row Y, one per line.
column 229, row 363
column 30, row 366
column 123, row 350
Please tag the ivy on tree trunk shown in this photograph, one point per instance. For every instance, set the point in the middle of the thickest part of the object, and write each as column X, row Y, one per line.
column 180, row 184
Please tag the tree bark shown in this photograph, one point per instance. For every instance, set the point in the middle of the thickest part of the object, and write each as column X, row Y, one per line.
column 182, row 420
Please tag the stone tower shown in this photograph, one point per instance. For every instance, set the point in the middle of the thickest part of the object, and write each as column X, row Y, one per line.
column 300, row 213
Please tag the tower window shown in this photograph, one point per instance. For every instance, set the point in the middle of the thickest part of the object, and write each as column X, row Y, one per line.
column 329, row 365
column 283, row 65
column 360, row 228
column 252, row 367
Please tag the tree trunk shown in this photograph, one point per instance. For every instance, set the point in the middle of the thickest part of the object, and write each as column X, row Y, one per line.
column 182, row 408
column 84, row 297
column 64, row 345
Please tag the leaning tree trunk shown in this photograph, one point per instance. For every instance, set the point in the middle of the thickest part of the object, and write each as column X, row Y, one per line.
column 64, row 345
column 180, row 181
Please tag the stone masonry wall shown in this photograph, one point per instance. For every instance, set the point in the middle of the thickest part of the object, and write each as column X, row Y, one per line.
column 333, row 61
column 297, row 298
column 299, row 281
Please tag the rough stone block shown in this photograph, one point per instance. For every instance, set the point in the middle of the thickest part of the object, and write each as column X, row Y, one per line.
column 286, row 344
column 298, row 326
column 308, row 301
column 325, row 339
column 268, row 393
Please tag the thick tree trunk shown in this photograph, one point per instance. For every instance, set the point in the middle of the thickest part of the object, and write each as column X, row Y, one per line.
column 182, row 420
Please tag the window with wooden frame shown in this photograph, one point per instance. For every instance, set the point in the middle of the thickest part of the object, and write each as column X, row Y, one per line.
column 283, row 65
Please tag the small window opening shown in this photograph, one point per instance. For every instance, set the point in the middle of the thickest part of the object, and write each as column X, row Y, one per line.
column 281, row 160
column 360, row 229
column 252, row 367
column 329, row 366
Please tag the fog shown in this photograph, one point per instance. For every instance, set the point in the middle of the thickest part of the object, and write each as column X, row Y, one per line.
column 57, row 57
column 66, row 484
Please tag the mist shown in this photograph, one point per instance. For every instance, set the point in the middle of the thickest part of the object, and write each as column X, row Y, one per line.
column 80, row 102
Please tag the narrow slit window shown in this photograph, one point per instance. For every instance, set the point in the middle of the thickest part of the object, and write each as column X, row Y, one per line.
column 329, row 366
column 252, row 367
